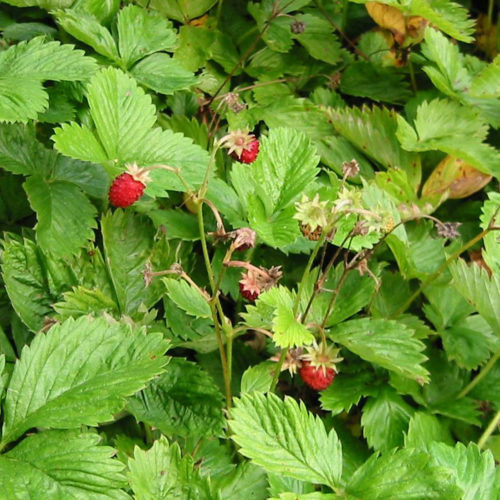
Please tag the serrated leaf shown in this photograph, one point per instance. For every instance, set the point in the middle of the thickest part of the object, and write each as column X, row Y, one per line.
column 383, row 342
column 245, row 481
column 425, row 429
column 81, row 301
column 128, row 245
column 346, row 392
column 163, row 74
column 457, row 130
column 480, row 290
column 43, row 4
column 66, row 218
column 87, row 28
column 474, row 470
column 21, row 99
column 373, row 131
column 183, row 401
column 487, row 82
column 25, row 278
column 491, row 251
column 283, row 437
column 79, row 373
column 288, row 331
column 161, row 473
column 258, row 377
column 385, row 418
column 142, row 32
column 187, row 298
column 363, row 79
column 63, row 464
column 403, row 475
column 124, row 117
column 180, row 10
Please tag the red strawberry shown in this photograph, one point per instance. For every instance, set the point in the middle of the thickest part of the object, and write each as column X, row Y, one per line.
column 317, row 377
column 128, row 187
column 249, row 293
column 249, row 154
column 318, row 366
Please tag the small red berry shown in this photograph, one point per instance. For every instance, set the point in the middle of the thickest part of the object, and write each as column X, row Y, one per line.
column 316, row 377
column 125, row 190
column 249, row 154
column 248, row 294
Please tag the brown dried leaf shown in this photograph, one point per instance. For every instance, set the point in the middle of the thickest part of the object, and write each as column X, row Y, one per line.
column 456, row 177
column 389, row 18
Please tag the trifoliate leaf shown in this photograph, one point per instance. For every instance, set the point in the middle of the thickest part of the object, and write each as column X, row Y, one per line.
column 79, row 372
column 183, row 401
column 403, row 475
column 387, row 343
column 64, row 465
column 283, row 437
column 187, row 298
column 385, row 418
column 142, row 32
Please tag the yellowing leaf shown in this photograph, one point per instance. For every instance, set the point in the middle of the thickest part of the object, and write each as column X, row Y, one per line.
column 455, row 176
column 389, row 18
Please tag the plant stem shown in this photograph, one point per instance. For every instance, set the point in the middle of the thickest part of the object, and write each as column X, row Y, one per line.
column 412, row 76
column 489, row 430
column 306, row 272
column 490, row 14
column 219, row 11
column 277, row 372
column 482, row 373
column 435, row 274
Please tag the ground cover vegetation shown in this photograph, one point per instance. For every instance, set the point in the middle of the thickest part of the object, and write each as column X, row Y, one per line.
column 249, row 249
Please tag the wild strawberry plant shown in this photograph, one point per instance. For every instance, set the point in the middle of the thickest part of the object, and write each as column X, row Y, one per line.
column 249, row 249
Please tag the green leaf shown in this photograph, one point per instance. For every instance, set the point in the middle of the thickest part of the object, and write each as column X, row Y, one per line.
column 475, row 471
column 480, row 290
column 25, row 278
column 258, row 377
column 373, row 132
column 487, row 82
column 43, row 4
column 66, row 218
column 163, row 74
column 245, row 481
column 385, row 418
column 346, row 392
column 124, row 117
column 184, row 401
column 161, row 473
column 491, row 251
column 128, row 245
column 284, row 438
column 425, row 429
column 141, row 33
column 288, row 331
column 403, row 475
column 363, row 79
column 457, row 130
column 180, row 10
column 62, row 464
column 21, row 99
column 79, row 373
column 387, row 343
column 318, row 38
column 82, row 301
column 187, row 298
column 87, row 28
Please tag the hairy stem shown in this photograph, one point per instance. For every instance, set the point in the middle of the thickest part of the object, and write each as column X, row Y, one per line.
column 489, row 430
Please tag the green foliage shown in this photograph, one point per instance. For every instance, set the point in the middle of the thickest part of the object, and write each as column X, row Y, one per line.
column 380, row 114
column 284, row 438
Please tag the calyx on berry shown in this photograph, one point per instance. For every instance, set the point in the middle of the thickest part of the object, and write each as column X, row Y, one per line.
column 313, row 215
column 242, row 145
column 128, row 187
column 319, row 366
column 257, row 279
